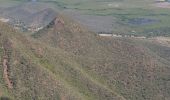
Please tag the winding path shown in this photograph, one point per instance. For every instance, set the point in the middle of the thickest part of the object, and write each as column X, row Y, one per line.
column 5, row 74
column 0, row 93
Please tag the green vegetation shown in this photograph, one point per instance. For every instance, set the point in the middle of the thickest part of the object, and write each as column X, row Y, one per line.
column 124, row 11
column 9, row 3
column 130, row 16
column 64, row 61
column 77, row 65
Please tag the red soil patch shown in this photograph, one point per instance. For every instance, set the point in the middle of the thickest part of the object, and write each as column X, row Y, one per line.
column 5, row 74
column 5, row 60
column 0, row 93
column 63, row 98
column 59, row 23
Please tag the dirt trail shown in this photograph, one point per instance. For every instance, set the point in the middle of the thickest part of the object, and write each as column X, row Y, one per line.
column 5, row 63
column 0, row 92
column 5, row 74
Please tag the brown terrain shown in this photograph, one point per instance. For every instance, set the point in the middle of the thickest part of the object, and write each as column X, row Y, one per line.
column 6, row 75
column 0, row 92
column 6, row 65
column 65, row 61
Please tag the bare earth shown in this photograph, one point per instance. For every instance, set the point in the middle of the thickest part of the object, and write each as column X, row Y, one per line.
column 0, row 92
column 8, row 82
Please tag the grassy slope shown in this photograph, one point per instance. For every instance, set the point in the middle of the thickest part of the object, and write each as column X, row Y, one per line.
column 66, row 62
column 55, row 74
column 127, row 68
column 31, row 80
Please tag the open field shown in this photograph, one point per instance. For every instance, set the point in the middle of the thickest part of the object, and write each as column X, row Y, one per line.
column 139, row 17
column 129, row 16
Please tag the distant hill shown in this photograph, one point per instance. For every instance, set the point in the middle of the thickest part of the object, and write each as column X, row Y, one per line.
column 29, row 16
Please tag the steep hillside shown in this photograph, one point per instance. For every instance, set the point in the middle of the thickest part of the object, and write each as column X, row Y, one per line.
column 131, row 70
column 64, row 61
column 34, row 70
